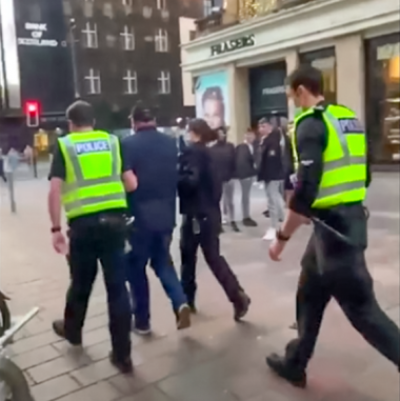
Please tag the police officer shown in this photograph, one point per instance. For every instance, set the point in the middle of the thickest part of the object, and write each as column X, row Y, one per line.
column 200, row 194
column 89, row 179
column 332, row 178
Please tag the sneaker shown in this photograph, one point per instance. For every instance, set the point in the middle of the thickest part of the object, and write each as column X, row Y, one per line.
column 266, row 213
column 235, row 228
column 270, row 235
column 59, row 330
column 142, row 330
column 248, row 222
column 293, row 375
column 183, row 317
column 242, row 306
column 125, row 366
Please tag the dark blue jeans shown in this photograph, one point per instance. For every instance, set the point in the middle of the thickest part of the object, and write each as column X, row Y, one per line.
column 151, row 247
column 90, row 244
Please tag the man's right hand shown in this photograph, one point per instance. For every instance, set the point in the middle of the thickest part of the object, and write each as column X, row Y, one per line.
column 59, row 243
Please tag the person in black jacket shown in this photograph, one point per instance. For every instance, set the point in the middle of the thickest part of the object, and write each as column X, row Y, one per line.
column 224, row 156
column 271, row 173
column 246, row 173
column 199, row 190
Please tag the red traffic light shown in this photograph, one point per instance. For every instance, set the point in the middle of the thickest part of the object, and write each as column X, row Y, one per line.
column 32, row 113
column 31, row 107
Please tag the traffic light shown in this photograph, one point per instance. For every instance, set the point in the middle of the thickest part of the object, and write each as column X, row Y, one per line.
column 32, row 111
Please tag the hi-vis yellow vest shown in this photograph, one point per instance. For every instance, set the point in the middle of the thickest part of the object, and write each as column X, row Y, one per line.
column 93, row 173
column 345, row 165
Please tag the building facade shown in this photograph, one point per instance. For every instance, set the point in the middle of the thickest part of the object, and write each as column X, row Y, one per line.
column 112, row 53
column 354, row 43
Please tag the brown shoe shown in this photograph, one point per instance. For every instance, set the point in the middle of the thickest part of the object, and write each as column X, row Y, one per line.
column 183, row 317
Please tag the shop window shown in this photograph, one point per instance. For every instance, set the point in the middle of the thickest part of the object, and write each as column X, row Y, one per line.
column 324, row 60
column 383, row 97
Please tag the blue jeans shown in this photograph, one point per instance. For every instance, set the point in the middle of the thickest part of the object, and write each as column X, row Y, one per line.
column 154, row 247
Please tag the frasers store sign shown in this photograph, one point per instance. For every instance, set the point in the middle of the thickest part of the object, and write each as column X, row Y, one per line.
column 37, row 36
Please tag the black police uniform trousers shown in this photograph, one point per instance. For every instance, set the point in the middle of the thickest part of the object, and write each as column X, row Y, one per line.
column 331, row 268
column 91, row 241
column 204, row 232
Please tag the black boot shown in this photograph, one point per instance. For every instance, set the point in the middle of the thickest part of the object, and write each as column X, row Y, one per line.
column 235, row 228
column 248, row 222
column 59, row 329
column 125, row 365
column 295, row 376
column 241, row 306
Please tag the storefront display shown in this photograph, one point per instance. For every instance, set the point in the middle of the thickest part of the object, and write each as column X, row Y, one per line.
column 268, row 91
column 324, row 60
column 383, row 97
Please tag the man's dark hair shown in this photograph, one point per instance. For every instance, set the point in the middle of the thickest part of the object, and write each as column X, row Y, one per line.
column 81, row 114
column 309, row 77
column 141, row 114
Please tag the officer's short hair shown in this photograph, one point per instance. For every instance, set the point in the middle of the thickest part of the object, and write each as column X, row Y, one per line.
column 81, row 114
column 309, row 77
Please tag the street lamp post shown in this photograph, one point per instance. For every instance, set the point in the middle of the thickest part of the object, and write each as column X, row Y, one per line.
column 72, row 28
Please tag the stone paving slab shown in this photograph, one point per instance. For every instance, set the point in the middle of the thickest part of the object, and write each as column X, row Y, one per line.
column 216, row 359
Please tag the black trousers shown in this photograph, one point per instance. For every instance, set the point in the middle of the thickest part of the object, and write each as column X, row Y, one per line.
column 205, row 235
column 89, row 244
column 331, row 269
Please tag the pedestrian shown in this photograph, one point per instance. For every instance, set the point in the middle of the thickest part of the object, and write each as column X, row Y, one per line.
column 2, row 173
column 200, row 194
column 271, row 173
column 85, row 177
column 153, row 157
column 246, row 173
column 224, row 156
column 332, row 178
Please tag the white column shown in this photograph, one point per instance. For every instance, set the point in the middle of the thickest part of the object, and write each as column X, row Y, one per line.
column 350, row 73
column 292, row 62
column 239, row 102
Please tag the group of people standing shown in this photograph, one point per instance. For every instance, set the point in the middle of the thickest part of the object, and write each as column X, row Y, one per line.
column 265, row 156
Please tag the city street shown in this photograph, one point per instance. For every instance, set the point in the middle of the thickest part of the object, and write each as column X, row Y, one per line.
column 216, row 359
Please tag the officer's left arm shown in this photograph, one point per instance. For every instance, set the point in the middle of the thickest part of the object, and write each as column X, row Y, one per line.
column 57, row 176
column 311, row 142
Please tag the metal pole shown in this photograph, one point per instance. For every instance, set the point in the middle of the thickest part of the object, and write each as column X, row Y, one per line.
column 10, row 182
column 72, row 26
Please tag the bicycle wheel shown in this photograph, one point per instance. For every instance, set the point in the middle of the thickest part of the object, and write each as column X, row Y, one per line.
column 5, row 316
column 13, row 385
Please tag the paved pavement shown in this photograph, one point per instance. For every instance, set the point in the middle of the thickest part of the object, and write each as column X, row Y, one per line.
column 215, row 360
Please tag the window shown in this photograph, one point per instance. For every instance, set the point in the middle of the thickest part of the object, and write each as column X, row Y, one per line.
column 162, row 4
column 90, row 36
column 128, row 38
column 164, row 83
column 93, row 82
column 324, row 60
column 207, row 6
column 130, row 82
column 383, row 97
column 161, row 41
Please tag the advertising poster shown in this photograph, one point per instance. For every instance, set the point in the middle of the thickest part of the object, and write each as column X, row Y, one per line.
column 212, row 99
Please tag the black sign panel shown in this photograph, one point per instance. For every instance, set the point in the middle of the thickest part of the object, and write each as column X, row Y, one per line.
column 44, row 57
column 268, row 90
column 233, row 44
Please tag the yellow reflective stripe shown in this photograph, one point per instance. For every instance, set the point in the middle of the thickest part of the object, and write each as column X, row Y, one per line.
column 340, row 188
column 80, row 181
column 80, row 203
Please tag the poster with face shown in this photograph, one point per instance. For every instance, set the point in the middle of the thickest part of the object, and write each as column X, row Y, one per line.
column 212, row 99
